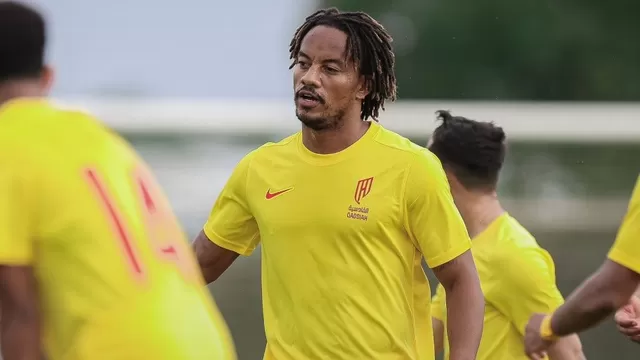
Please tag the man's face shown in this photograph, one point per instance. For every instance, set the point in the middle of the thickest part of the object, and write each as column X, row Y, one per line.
column 325, row 83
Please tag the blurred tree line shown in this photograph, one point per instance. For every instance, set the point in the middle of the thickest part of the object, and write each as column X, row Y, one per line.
column 512, row 50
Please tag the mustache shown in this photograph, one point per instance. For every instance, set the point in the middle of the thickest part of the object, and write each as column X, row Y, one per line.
column 309, row 91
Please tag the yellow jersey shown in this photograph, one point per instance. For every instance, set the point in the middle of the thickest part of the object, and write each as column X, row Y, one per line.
column 626, row 249
column 342, row 237
column 517, row 278
column 116, row 278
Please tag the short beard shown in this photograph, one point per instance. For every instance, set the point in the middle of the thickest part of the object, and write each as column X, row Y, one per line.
column 324, row 123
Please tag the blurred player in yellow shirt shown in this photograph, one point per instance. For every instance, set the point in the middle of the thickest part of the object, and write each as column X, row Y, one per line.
column 93, row 263
column 516, row 274
column 607, row 290
column 345, row 210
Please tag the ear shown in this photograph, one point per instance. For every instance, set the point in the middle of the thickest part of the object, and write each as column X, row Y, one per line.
column 363, row 88
column 47, row 78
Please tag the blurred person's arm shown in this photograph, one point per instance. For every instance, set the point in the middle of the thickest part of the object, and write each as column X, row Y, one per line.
column 19, row 198
column 612, row 285
column 231, row 230
column 438, row 319
column 528, row 286
column 607, row 290
column 436, row 227
column 20, row 328
column 598, row 297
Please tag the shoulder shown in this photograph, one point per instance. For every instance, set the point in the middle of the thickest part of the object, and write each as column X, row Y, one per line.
column 268, row 154
column 18, row 118
column 524, row 265
column 268, row 150
column 418, row 158
column 44, row 122
column 22, row 132
column 515, row 247
column 523, row 257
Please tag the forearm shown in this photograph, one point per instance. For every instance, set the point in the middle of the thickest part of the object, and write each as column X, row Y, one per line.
column 20, row 336
column 211, row 272
column 567, row 348
column 592, row 302
column 465, row 315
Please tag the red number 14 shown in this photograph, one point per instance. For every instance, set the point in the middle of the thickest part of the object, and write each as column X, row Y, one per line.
column 162, row 229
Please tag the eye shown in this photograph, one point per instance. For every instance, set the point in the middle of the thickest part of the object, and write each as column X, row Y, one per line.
column 303, row 64
column 332, row 70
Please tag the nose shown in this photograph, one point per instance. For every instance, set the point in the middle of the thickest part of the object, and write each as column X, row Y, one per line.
column 311, row 77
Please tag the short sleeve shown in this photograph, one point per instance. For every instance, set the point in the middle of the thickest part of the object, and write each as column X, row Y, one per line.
column 432, row 219
column 231, row 224
column 626, row 249
column 16, row 208
column 439, row 304
column 526, row 285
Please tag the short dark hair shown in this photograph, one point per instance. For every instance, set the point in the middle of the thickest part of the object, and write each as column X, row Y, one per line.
column 22, row 41
column 368, row 46
column 473, row 150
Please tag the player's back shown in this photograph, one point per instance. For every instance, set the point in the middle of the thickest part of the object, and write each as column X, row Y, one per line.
column 518, row 280
column 117, row 279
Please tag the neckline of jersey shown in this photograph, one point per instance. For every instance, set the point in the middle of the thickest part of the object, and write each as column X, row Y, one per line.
column 330, row 159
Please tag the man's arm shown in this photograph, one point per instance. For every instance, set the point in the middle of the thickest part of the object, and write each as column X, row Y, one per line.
column 612, row 285
column 465, row 305
column 213, row 259
column 231, row 230
column 435, row 225
column 567, row 348
column 20, row 195
column 609, row 288
column 20, row 316
column 598, row 297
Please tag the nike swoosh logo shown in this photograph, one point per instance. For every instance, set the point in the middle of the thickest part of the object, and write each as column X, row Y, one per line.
column 168, row 250
column 271, row 195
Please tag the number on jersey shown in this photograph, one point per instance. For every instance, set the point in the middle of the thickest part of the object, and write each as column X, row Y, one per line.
column 161, row 227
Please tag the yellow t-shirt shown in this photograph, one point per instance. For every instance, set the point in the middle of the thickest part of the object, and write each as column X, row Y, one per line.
column 626, row 249
column 342, row 239
column 517, row 278
column 116, row 278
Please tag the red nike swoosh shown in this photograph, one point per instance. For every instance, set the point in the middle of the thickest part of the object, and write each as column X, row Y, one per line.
column 168, row 250
column 271, row 195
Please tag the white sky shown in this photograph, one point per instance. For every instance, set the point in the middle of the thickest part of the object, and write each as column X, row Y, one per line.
column 186, row 48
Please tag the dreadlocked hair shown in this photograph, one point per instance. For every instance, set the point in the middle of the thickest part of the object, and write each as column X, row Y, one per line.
column 368, row 46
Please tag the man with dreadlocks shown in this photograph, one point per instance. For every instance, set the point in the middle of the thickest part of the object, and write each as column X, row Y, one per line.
column 345, row 211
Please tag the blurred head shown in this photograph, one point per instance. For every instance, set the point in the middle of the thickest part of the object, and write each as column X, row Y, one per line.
column 22, row 44
column 343, row 65
column 471, row 152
